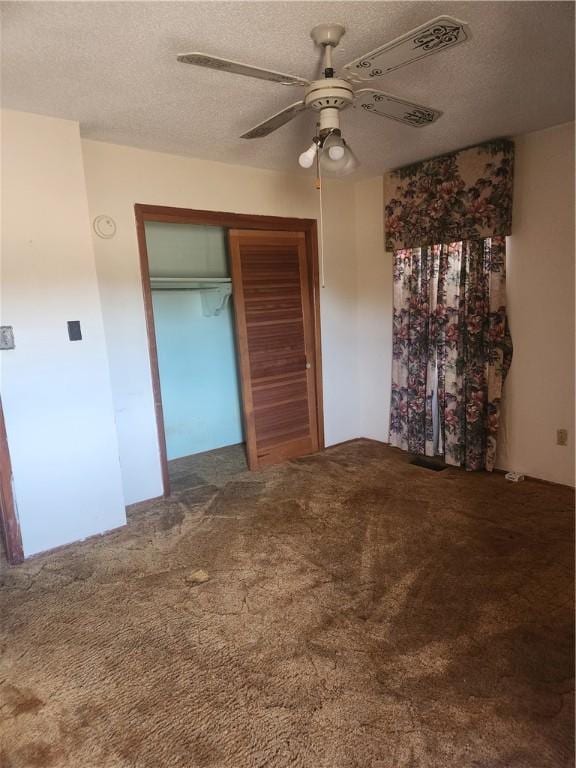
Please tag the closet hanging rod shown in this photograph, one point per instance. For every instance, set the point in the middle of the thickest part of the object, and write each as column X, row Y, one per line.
column 158, row 278
column 214, row 292
column 190, row 283
column 173, row 287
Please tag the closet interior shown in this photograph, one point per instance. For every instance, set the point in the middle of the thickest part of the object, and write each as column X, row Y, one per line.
column 191, row 289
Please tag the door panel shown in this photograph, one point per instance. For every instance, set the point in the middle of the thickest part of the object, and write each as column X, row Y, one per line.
column 272, row 303
column 9, row 524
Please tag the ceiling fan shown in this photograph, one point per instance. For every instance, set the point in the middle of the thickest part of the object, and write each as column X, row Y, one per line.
column 329, row 95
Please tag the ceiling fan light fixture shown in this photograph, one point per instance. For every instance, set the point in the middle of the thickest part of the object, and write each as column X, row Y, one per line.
column 307, row 158
column 336, row 157
column 335, row 91
column 336, row 149
column 352, row 163
column 342, row 166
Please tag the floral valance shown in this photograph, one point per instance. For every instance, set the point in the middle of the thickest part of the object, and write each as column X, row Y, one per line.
column 465, row 195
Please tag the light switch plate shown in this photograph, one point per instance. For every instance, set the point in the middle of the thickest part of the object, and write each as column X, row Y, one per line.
column 6, row 337
column 561, row 437
column 74, row 330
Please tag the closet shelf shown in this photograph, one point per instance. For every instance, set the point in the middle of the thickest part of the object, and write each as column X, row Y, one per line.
column 215, row 292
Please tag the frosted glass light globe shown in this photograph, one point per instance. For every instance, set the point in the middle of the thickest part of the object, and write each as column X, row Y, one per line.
column 336, row 152
column 307, row 158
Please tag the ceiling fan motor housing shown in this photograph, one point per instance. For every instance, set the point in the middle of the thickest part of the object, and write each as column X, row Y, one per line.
column 328, row 97
column 332, row 93
column 328, row 93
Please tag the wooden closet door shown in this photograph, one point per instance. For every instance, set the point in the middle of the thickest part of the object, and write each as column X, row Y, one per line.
column 272, row 304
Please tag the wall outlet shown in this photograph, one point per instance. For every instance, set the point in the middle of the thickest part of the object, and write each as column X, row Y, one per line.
column 561, row 437
column 6, row 337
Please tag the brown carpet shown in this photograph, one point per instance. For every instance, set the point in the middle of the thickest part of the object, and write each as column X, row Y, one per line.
column 345, row 610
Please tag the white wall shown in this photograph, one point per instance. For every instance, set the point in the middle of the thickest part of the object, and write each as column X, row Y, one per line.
column 338, row 305
column 55, row 393
column 539, row 391
column 117, row 178
column 374, row 311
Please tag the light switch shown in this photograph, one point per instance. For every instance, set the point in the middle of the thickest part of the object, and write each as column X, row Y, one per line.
column 74, row 331
column 6, row 337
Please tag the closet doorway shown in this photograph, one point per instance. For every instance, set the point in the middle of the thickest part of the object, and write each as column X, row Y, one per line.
column 232, row 312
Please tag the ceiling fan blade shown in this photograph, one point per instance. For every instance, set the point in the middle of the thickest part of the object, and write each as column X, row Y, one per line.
column 434, row 36
column 384, row 105
column 225, row 65
column 274, row 122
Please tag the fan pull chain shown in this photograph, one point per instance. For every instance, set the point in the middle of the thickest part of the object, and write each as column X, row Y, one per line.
column 321, row 220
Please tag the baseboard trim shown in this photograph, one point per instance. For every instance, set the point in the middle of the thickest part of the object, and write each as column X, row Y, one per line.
column 355, row 440
column 496, row 470
column 62, row 547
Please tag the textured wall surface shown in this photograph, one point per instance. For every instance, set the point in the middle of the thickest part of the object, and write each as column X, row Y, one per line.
column 539, row 393
column 374, row 311
column 55, row 392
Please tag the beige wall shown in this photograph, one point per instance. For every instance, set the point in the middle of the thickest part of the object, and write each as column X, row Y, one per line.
column 374, row 311
column 539, row 392
column 55, row 393
column 117, row 178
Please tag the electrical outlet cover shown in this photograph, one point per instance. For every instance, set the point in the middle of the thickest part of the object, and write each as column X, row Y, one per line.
column 561, row 437
column 6, row 337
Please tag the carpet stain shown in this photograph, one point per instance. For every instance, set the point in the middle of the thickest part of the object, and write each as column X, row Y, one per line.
column 16, row 701
column 343, row 610
column 36, row 755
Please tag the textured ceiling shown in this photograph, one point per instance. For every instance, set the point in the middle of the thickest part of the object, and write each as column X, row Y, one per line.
column 112, row 66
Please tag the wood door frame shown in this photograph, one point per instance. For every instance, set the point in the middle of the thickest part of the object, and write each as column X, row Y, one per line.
column 167, row 214
column 10, row 524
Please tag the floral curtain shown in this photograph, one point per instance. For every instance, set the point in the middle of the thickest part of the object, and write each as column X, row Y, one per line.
column 465, row 195
column 451, row 346
column 451, row 342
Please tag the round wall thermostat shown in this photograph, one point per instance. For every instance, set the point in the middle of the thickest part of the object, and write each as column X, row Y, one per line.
column 105, row 226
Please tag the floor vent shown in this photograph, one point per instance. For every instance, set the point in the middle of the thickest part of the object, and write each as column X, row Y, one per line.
column 436, row 465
